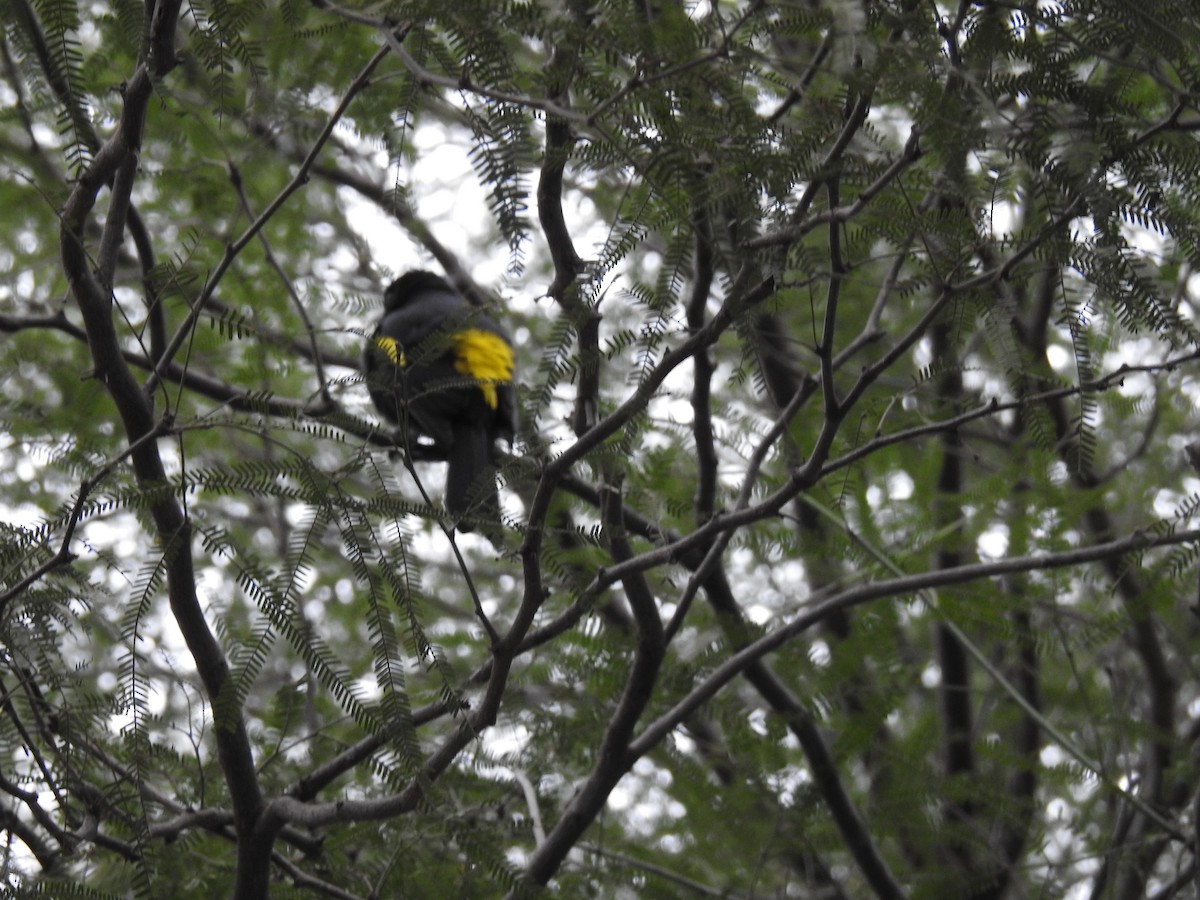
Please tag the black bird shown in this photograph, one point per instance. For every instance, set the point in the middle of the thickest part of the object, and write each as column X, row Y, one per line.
column 441, row 370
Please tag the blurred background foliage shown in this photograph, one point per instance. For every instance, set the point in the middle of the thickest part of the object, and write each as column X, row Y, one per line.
column 823, row 304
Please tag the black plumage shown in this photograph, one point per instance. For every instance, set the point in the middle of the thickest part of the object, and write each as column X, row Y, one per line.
column 441, row 370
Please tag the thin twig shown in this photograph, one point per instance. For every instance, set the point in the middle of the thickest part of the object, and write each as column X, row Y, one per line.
column 64, row 556
column 827, row 602
column 235, row 176
column 298, row 180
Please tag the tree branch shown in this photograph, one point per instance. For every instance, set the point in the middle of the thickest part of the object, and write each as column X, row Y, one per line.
column 705, row 499
column 63, row 556
column 134, row 407
column 298, row 180
column 613, row 759
column 830, row 601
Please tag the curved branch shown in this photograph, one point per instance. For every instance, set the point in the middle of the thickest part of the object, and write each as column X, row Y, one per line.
column 64, row 556
column 394, row 204
column 829, row 601
column 235, row 176
column 137, row 414
column 613, row 758
column 47, row 857
column 204, row 385
column 298, row 180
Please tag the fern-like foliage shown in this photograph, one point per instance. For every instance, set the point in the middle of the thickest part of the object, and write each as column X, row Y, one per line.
column 855, row 349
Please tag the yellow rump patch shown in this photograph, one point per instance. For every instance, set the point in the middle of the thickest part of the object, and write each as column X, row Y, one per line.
column 392, row 349
column 486, row 357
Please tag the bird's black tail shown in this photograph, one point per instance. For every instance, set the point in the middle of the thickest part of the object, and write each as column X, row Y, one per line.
column 471, row 494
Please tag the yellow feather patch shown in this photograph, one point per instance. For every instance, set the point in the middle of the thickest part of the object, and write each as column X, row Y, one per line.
column 392, row 349
column 486, row 357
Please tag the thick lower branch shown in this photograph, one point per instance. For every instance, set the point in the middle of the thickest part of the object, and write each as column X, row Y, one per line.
column 137, row 414
column 613, row 759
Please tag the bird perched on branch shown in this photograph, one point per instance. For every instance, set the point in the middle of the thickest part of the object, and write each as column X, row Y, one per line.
column 441, row 370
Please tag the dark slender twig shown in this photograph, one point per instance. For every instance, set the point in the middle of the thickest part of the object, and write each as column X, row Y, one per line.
column 694, row 888
column 705, row 499
column 394, row 204
column 298, row 180
column 823, row 605
column 37, row 705
column 235, row 176
column 66, row 95
column 64, row 556
column 856, row 116
column 806, row 79
column 1162, row 689
column 613, row 759
column 48, row 858
column 1013, row 832
column 830, row 601
column 205, row 385
column 306, row 880
column 646, row 389
column 703, row 572
column 315, row 781
column 185, row 817
column 673, row 546
column 39, row 813
column 710, row 576
column 17, row 85
column 825, row 349
column 567, row 263
column 476, row 603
